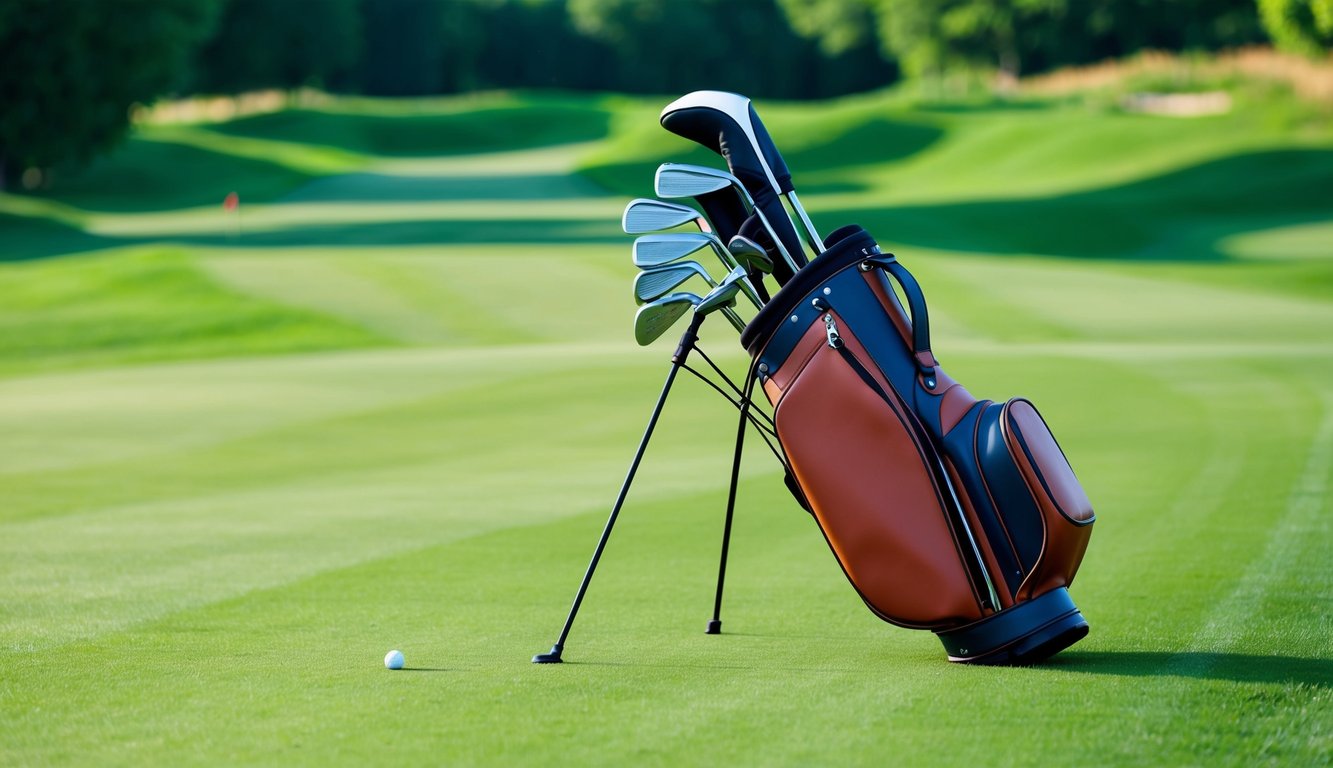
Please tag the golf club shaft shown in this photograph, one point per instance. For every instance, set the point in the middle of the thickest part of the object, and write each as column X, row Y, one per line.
column 811, row 236
column 729, row 260
column 782, row 249
column 734, row 319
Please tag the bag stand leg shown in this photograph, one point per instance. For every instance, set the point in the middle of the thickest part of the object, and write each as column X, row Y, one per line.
column 715, row 624
column 687, row 341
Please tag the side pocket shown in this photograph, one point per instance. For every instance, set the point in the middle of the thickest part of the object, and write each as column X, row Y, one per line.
column 873, row 496
column 1043, row 463
column 996, row 495
column 1065, row 509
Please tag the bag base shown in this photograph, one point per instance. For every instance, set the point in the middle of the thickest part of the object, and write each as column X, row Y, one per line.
column 1025, row 633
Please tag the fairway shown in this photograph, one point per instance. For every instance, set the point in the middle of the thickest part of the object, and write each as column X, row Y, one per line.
column 388, row 403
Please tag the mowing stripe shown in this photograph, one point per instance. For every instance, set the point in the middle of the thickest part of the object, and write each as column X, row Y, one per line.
column 1304, row 523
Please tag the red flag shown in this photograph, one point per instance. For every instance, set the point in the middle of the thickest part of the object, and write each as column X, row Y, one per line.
column 231, row 202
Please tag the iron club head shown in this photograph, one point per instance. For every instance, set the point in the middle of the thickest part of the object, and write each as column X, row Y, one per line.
column 677, row 180
column 751, row 254
column 724, row 295
column 644, row 215
column 664, row 248
column 655, row 317
column 656, row 282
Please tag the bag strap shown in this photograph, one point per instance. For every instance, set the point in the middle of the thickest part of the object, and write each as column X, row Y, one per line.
column 916, row 304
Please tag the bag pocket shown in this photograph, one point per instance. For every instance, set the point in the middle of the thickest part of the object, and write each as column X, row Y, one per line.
column 862, row 468
column 1046, row 516
column 1043, row 464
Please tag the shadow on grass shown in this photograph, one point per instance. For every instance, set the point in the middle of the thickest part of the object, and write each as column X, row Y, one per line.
column 156, row 175
column 989, row 105
column 871, row 142
column 27, row 239
column 1238, row 667
column 1241, row 668
column 1178, row 216
column 386, row 188
column 520, row 126
column 425, row 232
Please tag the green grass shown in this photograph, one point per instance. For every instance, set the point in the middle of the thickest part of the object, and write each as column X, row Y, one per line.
column 389, row 406
column 125, row 306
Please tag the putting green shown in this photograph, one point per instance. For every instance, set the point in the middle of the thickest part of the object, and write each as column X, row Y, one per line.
column 390, row 405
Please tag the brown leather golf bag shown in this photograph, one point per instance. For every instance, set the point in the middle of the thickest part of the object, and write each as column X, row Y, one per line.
column 947, row 513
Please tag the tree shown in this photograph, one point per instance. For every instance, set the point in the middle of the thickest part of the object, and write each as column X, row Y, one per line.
column 280, row 44
column 1299, row 26
column 661, row 46
column 837, row 25
column 555, row 54
column 465, row 27
column 70, row 71
column 929, row 36
column 404, row 47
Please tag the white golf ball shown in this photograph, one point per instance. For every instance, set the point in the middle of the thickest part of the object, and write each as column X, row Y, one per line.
column 394, row 660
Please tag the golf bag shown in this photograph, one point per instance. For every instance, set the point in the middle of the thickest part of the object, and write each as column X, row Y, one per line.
column 947, row 513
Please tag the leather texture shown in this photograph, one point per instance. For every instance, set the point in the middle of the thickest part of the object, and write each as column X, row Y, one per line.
column 871, row 439
column 863, row 471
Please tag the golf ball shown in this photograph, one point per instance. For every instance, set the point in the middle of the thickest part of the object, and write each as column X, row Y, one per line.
column 394, row 660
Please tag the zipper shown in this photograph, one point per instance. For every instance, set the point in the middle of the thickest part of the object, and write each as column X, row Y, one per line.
column 975, row 565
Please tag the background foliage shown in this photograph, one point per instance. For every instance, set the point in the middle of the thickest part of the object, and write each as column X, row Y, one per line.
column 70, row 70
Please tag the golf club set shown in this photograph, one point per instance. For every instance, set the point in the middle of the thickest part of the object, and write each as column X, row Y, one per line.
column 946, row 512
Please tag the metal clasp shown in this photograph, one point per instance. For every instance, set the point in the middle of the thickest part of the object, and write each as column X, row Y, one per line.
column 831, row 328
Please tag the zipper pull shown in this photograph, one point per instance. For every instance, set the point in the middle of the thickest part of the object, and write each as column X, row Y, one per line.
column 831, row 328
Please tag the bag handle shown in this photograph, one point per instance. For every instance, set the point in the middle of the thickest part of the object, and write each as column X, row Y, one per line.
column 916, row 303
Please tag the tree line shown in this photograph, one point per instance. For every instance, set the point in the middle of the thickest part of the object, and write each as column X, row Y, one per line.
column 71, row 69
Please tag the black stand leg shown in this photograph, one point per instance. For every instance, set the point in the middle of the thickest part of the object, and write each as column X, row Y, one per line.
column 715, row 625
column 687, row 341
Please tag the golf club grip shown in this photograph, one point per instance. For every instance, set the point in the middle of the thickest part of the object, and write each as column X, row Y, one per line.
column 727, row 124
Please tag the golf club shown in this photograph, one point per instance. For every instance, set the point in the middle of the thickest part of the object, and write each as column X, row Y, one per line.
column 728, row 124
column 657, row 249
column 644, row 215
column 677, row 180
column 656, row 282
column 654, row 318
column 654, row 250
column 723, row 295
column 750, row 254
column 723, row 298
